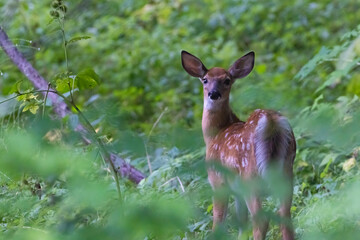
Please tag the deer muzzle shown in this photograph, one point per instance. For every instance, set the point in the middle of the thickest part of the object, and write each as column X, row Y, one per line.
column 214, row 95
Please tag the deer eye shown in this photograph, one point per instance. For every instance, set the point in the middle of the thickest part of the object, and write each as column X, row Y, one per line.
column 227, row 82
column 205, row 81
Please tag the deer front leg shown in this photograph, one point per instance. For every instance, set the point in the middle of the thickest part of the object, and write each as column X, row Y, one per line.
column 220, row 202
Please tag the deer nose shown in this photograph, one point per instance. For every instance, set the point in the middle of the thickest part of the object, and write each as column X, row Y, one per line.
column 214, row 95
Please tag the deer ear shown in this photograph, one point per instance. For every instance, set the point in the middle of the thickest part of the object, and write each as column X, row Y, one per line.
column 243, row 66
column 192, row 65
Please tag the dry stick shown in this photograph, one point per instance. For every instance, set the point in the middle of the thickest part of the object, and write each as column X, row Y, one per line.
column 60, row 107
column 174, row 178
column 181, row 185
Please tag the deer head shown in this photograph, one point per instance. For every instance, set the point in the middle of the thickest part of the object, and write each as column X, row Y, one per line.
column 217, row 81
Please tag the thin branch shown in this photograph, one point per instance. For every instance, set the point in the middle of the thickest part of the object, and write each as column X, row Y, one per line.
column 62, row 28
column 156, row 122
column 47, row 93
column 181, row 185
column 171, row 179
column 174, row 178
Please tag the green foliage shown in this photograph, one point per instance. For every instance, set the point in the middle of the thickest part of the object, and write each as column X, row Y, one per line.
column 119, row 62
column 87, row 79
column 64, row 195
column 137, row 45
column 75, row 39
column 29, row 102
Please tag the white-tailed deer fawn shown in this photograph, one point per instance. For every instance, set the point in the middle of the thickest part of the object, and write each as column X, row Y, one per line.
column 247, row 148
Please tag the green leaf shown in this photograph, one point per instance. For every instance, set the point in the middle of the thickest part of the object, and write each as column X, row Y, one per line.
column 313, row 63
column 323, row 55
column 209, row 208
column 328, row 159
column 26, row 97
column 87, row 79
column 26, row 108
column 76, row 39
column 32, row 107
column 335, row 76
column 62, row 85
column 15, row 88
column 316, row 102
column 326, row 169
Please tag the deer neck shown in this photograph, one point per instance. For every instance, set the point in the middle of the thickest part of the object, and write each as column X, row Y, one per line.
column 216, row 119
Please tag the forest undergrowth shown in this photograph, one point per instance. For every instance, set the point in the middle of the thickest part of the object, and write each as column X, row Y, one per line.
column 119, row 70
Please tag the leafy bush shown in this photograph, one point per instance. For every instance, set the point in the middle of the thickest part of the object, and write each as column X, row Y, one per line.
column 123, row 71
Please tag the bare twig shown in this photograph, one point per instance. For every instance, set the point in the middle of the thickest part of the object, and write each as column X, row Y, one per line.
column 181, row 185
column 172, row 179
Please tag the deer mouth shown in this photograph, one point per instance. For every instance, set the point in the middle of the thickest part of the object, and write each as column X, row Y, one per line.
column 212, row 105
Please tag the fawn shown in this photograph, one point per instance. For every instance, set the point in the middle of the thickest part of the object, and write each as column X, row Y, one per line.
column 247, row 148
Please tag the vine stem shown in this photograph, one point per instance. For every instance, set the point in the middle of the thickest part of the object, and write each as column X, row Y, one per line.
column 47, row 93
column 104, row 153
column 62, row 29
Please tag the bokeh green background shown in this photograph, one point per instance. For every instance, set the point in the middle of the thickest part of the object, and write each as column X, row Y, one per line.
column 307, row 67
